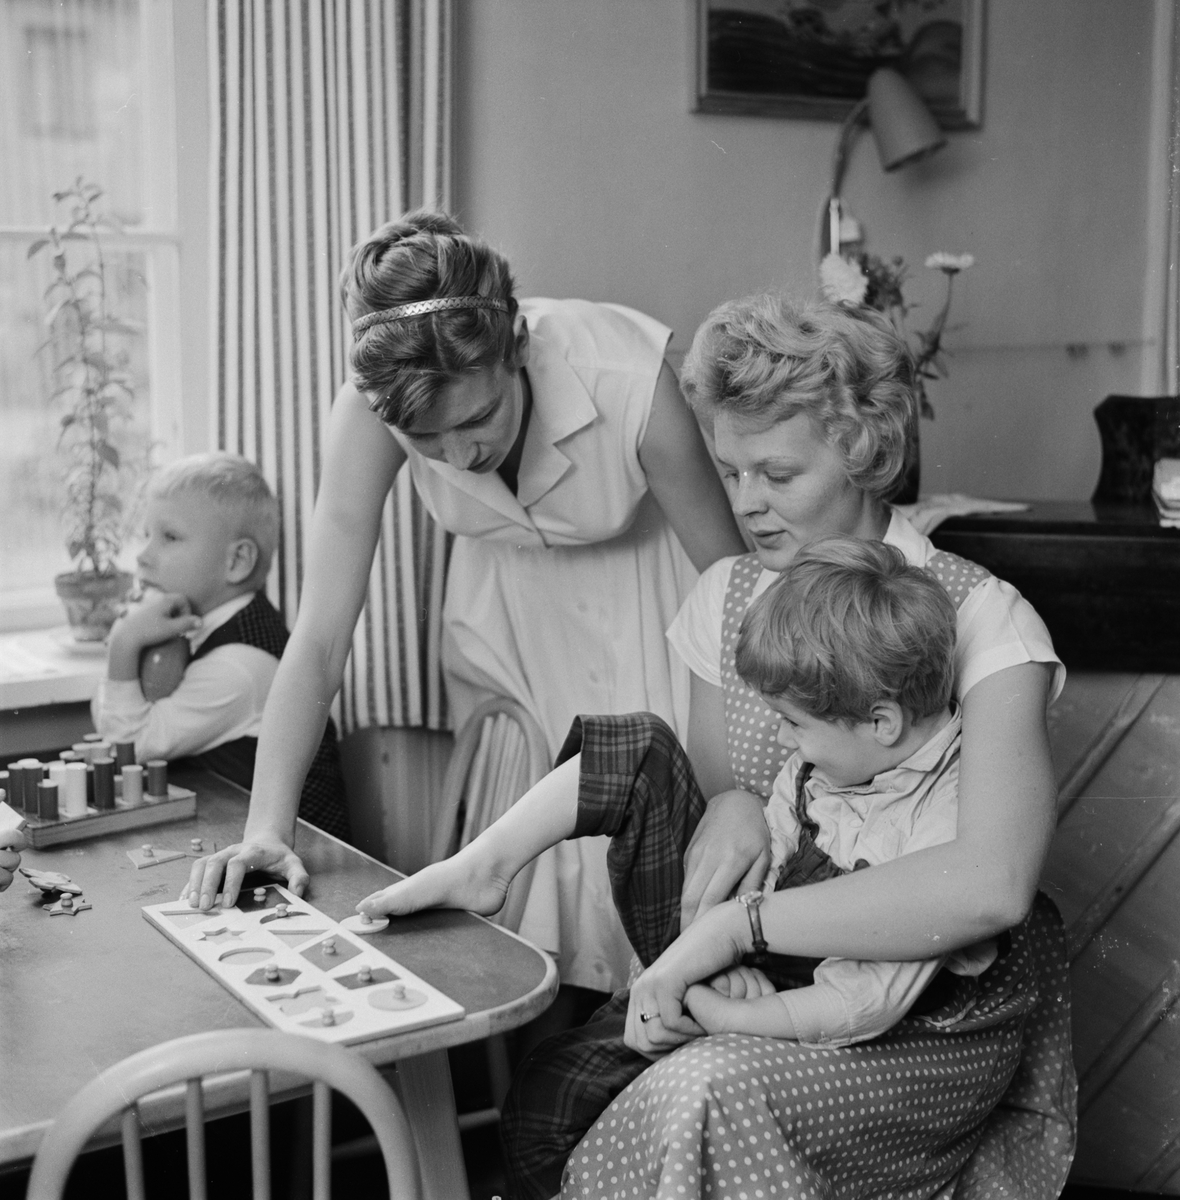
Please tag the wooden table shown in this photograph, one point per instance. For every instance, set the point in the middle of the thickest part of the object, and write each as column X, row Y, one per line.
column 80, row 993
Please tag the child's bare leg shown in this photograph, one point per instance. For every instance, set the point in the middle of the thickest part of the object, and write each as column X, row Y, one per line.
column 477, row 878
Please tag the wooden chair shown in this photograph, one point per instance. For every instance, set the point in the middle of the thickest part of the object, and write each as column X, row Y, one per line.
column 499, row 754
column 189, row 1060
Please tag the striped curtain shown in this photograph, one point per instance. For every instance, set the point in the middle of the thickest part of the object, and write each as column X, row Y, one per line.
column 332, row 117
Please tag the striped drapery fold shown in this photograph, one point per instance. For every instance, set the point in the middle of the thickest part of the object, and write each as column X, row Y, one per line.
column 332, row 116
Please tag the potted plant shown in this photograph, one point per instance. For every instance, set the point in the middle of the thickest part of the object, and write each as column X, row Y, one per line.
column 88, row 345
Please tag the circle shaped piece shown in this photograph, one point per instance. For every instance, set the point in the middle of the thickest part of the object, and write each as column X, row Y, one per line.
column 396, row 997
column 358, row 924
column 244, row 956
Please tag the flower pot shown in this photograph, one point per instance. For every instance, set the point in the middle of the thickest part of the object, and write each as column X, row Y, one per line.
column 93, row 602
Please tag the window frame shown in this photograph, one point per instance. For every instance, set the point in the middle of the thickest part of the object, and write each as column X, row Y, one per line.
column 159, row 240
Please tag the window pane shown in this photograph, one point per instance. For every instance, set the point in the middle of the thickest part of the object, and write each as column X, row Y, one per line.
column 33, row 531
column 70, row 105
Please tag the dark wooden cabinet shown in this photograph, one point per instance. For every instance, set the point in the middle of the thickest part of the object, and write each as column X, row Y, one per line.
column 1105, row 578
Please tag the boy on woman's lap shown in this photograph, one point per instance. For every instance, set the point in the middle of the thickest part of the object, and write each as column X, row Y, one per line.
column 854, row 649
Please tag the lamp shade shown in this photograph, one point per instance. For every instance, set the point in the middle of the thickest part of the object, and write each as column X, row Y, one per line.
column 902, row 125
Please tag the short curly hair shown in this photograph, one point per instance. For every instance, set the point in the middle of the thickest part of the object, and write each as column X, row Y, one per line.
column 847, row 368
column 848, row 624
column 403, row 365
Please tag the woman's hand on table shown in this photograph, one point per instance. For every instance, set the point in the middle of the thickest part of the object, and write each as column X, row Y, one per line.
column 270, row 854
column 729, row 853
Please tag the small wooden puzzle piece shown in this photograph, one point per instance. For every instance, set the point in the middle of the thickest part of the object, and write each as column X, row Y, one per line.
column 329, row 1017
column 245, row 956
column 332, row 952
column 282, row 912
column 302, row 1000
column 272, row 975
column 67, row 906
column 364, row 924
column 222, row 933
column 184, row 917
column 10, row 818
column 199, row 847
column 50, row 881
column 397, row 997
column 258, row 898
column 365, row 977
column 148, row 855
column 296, row 937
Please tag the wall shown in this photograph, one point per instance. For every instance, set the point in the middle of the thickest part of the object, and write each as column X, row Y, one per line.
column 578, row 155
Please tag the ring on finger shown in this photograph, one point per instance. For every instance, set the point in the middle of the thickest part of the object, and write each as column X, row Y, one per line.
column 645, row 1017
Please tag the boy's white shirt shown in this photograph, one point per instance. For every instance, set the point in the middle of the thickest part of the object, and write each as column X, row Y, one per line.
column 910, row 807
column 220, row 698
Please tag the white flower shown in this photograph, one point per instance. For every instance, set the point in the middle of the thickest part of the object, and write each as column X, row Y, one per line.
column 952, row 264
column 841, row 281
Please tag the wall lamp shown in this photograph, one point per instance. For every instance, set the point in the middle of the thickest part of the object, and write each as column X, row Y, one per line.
column 904, row 132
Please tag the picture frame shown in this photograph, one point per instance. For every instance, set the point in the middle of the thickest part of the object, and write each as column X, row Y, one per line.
column 812, row 58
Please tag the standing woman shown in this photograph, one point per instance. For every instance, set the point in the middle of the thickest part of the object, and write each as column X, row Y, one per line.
column 551, row 437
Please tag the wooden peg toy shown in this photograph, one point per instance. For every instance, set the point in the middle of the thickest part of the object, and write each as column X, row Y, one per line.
column 152, row 856
column 67, row 906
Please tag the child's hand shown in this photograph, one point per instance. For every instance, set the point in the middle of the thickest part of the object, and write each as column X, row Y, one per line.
column 161, row 616
column 742, row 983
column 12, row 842
column 762, row 1015
column 157, row 619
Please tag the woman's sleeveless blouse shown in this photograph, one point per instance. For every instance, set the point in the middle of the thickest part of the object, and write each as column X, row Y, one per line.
column 755, row 755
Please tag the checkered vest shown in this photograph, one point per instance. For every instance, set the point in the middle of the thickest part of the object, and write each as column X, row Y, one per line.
column 322, row 801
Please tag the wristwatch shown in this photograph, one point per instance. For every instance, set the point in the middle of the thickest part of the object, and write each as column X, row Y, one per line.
column 752, row 901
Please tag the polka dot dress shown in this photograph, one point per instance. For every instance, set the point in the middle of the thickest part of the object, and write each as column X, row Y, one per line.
column 752, row 725
column 988, row 1113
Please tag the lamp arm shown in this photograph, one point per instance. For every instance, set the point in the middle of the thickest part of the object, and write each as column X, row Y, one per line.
column 844, row 144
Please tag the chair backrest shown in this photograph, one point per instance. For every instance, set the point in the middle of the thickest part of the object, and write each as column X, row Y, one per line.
column 189, row 1060
column 499, row 754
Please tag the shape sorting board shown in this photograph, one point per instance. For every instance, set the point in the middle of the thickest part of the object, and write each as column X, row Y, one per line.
column 292, row 970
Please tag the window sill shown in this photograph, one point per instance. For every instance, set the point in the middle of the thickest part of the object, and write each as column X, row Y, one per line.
column 29, row 608
column 46, row 666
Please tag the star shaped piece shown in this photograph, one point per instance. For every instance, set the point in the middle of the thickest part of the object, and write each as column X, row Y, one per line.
column 50, row 881
column 222, row 933
column 67, row 906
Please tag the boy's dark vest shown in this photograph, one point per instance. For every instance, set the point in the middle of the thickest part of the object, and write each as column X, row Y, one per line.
column 322, row 800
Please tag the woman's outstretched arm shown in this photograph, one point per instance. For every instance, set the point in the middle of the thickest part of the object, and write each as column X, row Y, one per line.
column 360, row 463
column 684, row 480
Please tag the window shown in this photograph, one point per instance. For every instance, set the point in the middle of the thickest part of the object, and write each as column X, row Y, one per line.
column 85, row 91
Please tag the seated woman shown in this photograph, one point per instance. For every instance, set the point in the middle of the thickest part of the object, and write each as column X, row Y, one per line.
column 810, row 408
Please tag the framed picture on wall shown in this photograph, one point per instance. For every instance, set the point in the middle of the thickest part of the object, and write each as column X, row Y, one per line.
column 813, row 58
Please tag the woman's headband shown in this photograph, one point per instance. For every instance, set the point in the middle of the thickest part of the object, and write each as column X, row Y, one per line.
column 388, row 315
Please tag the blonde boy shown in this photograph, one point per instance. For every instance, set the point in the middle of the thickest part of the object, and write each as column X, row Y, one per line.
column 212, row 527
